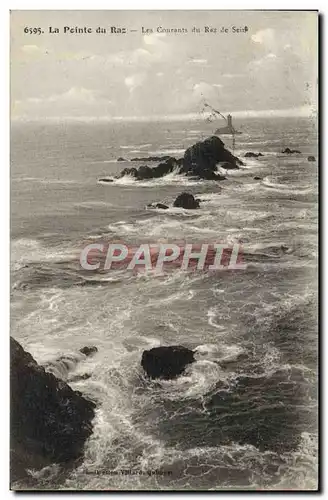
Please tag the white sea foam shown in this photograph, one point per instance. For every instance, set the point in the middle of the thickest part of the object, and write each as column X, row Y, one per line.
column 172, row 178
column 272, row 183
column 25, row 250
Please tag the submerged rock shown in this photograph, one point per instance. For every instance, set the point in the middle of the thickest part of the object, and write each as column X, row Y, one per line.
column 78, row 378
column 252, row 155
column 166, row 362
column 290, row 151
column 49, row 422
column 157, row 205
column 257, row 178
column 121, row 159
column 311, row 158
column 105, row 179
column 88, row 350
column 186, row 200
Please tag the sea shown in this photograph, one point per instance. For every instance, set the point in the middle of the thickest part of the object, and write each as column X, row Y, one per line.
column 244, row 416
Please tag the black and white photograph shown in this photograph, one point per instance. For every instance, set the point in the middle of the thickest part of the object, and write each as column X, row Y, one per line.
column 164, row 250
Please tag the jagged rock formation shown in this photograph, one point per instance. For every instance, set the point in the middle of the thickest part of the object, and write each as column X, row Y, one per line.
column 49, row 421
column 144, row 172
column 290, row 151
column 200, row 160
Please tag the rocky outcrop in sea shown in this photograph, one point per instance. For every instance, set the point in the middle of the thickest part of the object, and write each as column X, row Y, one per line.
column 200, row 160
column 166, row 362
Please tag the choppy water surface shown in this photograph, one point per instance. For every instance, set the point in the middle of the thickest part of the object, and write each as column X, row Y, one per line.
column 244, row 415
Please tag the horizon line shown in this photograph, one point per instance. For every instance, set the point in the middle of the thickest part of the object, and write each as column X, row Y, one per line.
column 301, row 112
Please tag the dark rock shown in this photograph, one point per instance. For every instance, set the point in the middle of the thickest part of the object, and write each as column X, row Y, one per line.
column 164, row 168
column 49, row 422
column 145, row 172
column 200, row 160
column 133, row 172
column 186, row 200
column 88, row 350
column 161, row 205
column 157, row 205
column 204, row 156
column 152, row 158
column 257, row 178
column 77, row 378
column 121, row 159
column 311, row 158
column 290, row 151
column 252, row 155
column 105, row 179
column 227, row 166
column 205, row 174
column 166, row 362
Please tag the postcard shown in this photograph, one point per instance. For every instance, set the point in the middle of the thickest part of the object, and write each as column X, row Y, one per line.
column 164, row 250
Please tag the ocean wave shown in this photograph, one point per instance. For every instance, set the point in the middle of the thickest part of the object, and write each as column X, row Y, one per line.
column 235, row 418
column 92, row 204
column 172, row 178
column 25, row 251
column 167, row 151
column 272, row 182
column 41, row 180
column 214, row 468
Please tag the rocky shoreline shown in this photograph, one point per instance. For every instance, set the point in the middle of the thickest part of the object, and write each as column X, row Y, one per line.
column 49, row 421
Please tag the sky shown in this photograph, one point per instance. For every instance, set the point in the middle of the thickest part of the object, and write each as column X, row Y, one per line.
column 269, row 69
